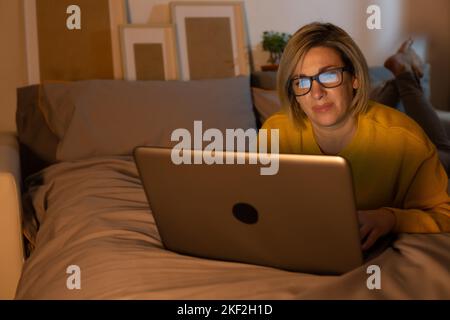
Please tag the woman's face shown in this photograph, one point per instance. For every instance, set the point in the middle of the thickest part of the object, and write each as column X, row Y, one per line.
column 325, row 107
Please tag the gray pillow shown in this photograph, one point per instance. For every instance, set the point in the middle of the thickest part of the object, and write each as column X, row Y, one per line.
column 112, row 117
column 266, row 103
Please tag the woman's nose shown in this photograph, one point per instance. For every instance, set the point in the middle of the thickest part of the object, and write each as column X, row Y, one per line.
column 317, row 91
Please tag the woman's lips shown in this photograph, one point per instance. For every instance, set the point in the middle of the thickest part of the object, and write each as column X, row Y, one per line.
column 322, row 108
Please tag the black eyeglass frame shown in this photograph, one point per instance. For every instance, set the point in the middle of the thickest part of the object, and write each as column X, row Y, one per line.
column 316, row 77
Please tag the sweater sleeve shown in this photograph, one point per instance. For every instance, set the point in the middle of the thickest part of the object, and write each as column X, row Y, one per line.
column 426, row 206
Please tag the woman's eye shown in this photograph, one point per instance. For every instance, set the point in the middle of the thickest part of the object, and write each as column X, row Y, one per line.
column 328, row 77
column 303, row 83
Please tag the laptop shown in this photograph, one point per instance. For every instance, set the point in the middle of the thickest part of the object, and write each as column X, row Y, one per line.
column 301, row 219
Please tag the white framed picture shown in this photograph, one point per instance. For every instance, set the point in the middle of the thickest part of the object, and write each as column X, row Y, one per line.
column 56, row 52
column 211, row 39
column 148, row 52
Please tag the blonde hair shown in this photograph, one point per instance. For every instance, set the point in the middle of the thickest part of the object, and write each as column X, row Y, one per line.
column 318, row 34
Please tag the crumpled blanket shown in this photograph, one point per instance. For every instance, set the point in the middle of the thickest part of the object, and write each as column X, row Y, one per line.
column 94, row 214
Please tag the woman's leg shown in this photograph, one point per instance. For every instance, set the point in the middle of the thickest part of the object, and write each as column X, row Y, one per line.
column 407, row 69
column 420, row 109
column 406, row 89
column 386, row 93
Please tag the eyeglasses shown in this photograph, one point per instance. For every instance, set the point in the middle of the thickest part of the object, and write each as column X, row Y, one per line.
column 330, row 78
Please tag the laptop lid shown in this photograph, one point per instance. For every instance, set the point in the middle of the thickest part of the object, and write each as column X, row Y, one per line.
column 303, row 218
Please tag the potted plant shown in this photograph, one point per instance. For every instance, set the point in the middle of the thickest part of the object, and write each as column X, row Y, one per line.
column 274, row 42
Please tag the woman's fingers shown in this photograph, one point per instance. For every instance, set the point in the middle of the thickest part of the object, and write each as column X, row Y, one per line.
column 373, row 236
column 364, row 231
column 373, row 224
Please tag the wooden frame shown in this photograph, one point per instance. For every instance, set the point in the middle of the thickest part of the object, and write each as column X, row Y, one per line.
column 117, row 16
column 227, row 15
column 158, row 47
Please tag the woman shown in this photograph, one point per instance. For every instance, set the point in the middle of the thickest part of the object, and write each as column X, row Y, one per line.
column 323, row 87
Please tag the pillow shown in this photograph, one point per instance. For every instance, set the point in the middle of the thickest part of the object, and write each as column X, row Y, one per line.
column 38, row 142
column 379, row 74
column 264, row 80
column 112, row 117
column 266, row 103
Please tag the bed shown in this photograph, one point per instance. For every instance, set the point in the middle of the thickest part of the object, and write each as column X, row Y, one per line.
column 84, row 205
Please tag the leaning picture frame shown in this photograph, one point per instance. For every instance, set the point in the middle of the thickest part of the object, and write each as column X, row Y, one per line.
column 148, row 52
column 55, row 52
column 211, row 39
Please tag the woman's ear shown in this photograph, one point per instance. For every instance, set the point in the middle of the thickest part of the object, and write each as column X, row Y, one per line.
column 355, row 83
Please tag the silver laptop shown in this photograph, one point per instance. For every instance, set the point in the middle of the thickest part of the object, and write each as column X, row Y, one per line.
column 301, row 219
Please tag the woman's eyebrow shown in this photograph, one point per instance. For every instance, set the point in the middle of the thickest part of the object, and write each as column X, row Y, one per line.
column 320, row 70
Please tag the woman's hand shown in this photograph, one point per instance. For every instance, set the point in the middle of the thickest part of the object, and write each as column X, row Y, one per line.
column 374, row 224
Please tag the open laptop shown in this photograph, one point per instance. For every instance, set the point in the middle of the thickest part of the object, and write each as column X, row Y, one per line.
column 301, row 219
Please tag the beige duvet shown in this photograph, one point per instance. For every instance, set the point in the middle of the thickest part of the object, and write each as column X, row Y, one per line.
column 94, row 214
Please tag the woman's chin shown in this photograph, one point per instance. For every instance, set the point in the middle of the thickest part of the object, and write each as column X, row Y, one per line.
column 325, row 121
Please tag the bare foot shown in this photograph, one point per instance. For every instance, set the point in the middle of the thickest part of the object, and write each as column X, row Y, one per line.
column 406, row 59
column 416, row 63
column 406, row 46
column 398, row 64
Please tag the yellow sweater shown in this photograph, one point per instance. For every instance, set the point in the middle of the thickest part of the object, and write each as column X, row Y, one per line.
column 394, row 165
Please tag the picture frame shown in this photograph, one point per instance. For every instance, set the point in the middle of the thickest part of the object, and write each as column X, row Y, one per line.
column 148, row 52
column 55, row 53
column 211, row 39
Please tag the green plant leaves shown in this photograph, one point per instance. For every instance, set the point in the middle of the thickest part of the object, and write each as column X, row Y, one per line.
column 275, row 42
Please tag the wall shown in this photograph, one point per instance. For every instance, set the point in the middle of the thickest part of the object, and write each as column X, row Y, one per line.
column 289, row 15
column 12, row 60
column 400, row 18
column 432, row 19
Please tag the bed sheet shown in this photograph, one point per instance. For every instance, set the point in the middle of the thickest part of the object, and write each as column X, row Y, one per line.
column 94, row 214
